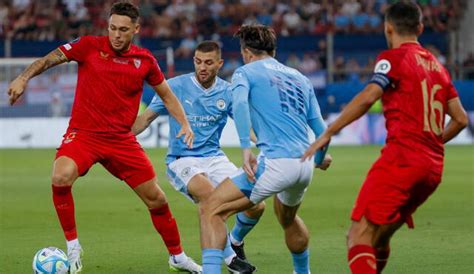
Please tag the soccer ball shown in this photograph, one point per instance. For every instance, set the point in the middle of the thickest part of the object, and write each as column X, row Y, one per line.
column 50, row 260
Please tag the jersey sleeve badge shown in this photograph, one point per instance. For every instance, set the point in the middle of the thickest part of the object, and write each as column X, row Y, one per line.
column 383, row 66
column 380, row 77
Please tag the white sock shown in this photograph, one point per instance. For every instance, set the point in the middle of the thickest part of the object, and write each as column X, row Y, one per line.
column 228, row 260
column 72, row 244
column 180, row 257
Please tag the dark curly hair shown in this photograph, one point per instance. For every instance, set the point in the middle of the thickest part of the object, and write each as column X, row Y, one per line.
column 259, row 39
column 125, row 8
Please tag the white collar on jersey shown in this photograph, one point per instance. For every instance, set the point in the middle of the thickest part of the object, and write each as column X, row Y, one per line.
column 205, row 90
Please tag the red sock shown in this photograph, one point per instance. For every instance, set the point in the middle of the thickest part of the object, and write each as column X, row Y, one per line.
column 381, row 256
column 166, row 225
column 64, row 204
column 362, row 259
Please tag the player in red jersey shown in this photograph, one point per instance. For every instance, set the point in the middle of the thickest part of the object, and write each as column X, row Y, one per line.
column 416, row 93
column 111, row 72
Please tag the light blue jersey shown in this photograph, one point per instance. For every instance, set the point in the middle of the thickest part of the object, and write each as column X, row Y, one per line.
column 207, row 111
column 279, row 103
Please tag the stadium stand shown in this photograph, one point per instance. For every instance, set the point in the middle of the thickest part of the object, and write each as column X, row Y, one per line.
column 33, row 28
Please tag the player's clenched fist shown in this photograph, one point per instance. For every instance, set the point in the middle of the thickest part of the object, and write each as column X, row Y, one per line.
column 16, row 89
column 323, row 140
column 249, row 164
column 326, row 162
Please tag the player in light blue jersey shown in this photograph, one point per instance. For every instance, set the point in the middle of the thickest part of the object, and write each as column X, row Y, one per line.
column 279, row 103
column 196, row 171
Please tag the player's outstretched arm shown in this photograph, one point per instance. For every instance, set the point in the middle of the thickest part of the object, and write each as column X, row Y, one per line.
column 458, row 120
column 143, row 121
column 176, row 110
column 353, row 111
column 17, row 86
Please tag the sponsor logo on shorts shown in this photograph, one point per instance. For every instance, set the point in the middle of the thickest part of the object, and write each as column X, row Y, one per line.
column 185, row 172
column 220, row 104
column 70, row 137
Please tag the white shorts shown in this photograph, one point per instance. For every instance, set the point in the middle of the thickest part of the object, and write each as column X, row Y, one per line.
column 182, row 170
column 288, row 178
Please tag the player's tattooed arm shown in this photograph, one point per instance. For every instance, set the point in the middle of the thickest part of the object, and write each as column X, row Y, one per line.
column 52, row 59
column 17, row 87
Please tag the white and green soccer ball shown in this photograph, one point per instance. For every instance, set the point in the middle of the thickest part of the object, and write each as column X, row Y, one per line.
column 50, row 260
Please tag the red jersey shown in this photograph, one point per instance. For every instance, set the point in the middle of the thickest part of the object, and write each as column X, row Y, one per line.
column 416, row 91
column 109, row 84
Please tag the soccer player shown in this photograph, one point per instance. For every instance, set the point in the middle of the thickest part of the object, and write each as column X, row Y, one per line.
column 416, row 93
column 279, row 103
column 196, row 171
column 110, row 82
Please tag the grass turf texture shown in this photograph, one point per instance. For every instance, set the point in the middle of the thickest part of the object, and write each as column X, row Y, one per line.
column 117, row 235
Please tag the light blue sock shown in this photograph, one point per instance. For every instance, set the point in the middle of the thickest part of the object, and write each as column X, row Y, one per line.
column 242, row 227
column 301, row 262
column 228, row 251
column 211, row 261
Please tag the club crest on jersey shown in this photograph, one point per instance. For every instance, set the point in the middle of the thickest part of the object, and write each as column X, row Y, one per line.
column 185, row 172
column 220, row 104
column 382, row 66
column 137, row 63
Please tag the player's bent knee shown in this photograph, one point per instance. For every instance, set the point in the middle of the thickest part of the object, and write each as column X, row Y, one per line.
column 65, row 171
column 155, row 200
column 205, row 208
column 360, row 233
column 256, row 211
column 259, row 208
column 151, row 194
column 62, row 178
column 211, row 208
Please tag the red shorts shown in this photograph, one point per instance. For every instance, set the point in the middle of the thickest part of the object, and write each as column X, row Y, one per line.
column 121, row 155
column 392, row 192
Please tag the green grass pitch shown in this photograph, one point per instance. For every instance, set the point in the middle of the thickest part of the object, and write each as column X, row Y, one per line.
column 118, row 237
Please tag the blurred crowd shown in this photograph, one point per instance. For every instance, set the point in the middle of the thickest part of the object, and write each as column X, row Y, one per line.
column 191, row 19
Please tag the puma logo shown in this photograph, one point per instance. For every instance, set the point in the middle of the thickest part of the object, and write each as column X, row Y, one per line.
column 188, row 102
